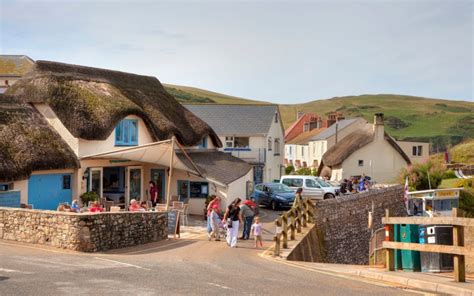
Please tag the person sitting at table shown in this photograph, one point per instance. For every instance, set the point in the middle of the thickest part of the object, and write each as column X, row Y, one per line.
column 134, row 206
column 96, row 208
column 144, row 206
column 75, row 208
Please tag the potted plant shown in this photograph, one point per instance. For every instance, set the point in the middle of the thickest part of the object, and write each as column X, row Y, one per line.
column 89, row 196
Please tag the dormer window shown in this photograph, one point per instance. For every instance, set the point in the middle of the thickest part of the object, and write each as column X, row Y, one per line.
column 126, row 133
column 203, row 143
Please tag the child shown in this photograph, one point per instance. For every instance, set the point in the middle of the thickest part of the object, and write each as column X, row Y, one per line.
column 214, row 216
column 257, row 232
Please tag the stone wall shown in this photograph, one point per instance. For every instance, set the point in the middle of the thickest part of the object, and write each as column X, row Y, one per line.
column 86, row 232
column 341, row 224
column 469, row 241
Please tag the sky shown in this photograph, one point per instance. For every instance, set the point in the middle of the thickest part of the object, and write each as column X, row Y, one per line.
column 281, row 52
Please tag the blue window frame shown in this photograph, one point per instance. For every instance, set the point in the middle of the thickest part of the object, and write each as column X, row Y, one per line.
column 203, row 143
column 126, row 133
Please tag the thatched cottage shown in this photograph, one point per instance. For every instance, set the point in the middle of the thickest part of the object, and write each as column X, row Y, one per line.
column 68, row 129
column 367, row 150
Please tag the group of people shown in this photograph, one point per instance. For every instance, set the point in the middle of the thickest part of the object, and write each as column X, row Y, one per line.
column 237, row 213
column 355, row 184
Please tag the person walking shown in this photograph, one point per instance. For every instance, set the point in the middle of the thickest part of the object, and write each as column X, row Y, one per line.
column 215, row 202
column 215, row 223
column 153, row 193
column 298, row 197
column 232, row 218
column 257, row 232
column 247, row 214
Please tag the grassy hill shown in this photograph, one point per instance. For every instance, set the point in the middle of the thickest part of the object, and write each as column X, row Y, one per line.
column 440, row 122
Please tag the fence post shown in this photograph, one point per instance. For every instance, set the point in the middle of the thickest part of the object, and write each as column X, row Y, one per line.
column 277, row 238
column 285, row 230
column 292, row 225
column 389, row 253
column 459, row 260
column 298, row 220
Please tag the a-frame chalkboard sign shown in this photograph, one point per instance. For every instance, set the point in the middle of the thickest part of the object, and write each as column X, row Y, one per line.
column 173, row 223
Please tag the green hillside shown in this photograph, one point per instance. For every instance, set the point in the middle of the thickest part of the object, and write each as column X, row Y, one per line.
column 441, row 122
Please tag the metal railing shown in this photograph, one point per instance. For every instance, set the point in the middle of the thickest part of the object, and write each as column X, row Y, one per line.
column 291, row 222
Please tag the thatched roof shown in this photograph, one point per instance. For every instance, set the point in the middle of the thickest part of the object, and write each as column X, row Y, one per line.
column 219, row 166
column 353, row 142
column 14, row 65
column 91, row 101
column 27, row 143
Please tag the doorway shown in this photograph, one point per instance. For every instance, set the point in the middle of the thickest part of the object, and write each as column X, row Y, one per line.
column 134, row 183
column 114, row 184
column 158, row 176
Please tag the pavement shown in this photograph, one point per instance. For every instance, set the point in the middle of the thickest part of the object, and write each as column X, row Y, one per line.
column 191, row 265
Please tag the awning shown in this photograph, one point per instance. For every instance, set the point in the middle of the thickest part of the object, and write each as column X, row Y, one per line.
column 155, row 153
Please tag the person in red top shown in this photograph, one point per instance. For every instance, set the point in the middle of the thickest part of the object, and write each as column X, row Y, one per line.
column 134, row 206
column 153, row 193
column 96, row 208
column 215, row 203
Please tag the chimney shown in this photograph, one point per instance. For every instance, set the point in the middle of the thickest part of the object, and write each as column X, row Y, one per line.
column 379, row 129
column 299, row 114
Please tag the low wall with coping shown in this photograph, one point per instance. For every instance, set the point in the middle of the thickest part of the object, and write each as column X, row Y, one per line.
column 341, row 233
column 85, row 232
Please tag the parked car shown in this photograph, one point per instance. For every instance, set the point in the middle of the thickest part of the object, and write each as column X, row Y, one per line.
column 311, row 185
column 328, row 183
column 274, row 195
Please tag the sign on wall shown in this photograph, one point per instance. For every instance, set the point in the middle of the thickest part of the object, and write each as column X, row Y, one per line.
column 10, row 199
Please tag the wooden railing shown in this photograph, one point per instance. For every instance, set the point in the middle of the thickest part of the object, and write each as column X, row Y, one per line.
column 458, row 250
column 291, row 223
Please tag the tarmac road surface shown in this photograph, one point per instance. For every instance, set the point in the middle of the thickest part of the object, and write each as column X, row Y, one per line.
column 187, row 266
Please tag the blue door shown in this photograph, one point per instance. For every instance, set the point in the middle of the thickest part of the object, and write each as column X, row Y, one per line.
column 46, row 192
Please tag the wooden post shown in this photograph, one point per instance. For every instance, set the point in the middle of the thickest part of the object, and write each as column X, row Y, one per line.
column 389, row 253
column 276, row 251
column 285, row 231
column 292, row 225
column 298, row 220
column 170, row 176
column 459, row 260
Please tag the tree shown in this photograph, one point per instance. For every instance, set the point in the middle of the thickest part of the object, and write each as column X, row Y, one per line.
column 418, row 175
column 289, row 169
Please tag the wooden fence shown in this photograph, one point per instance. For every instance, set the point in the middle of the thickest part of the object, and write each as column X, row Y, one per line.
column 291, row 223
column 458, row 250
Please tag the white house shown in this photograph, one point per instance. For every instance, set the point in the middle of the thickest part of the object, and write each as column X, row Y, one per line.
column 368, row 150
column 12, row 68
column 253, row 133
column 67, row 129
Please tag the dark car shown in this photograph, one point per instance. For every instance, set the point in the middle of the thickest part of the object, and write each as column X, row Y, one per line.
column 274, row 195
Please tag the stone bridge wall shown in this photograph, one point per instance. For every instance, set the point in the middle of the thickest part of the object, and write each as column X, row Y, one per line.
column 86, row 232
column 341, row 233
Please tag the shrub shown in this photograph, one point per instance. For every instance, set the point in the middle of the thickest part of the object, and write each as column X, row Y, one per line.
column 449, row 174
column 289, row 169
column 466, row 202
column 89, row 196
column 418, row 175
column 304, row 171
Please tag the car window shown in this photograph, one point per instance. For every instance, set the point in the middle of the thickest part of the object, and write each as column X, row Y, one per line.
column 322, row 183
column 293, row 182
column 259, row 187
column 310, row 183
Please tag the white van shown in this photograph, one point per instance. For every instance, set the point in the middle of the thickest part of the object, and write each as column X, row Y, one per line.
column 312, row 187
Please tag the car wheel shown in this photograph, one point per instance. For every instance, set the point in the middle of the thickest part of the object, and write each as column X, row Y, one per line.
column 273, row 205
column 328, row 196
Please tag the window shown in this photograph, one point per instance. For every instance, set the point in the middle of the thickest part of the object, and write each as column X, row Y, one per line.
column 66, row 181
column 306, row 127
column 259, row 187
column 302, row 151
column 310, row 183
column 203, row 143
column 293, row 182
column 6, row 82
column 417, row 150
column 229, row 142
column 198, row 189
column 289, row 148
column 361, row 162
column 126, row 133
column 6, row 186
column 241, row 142
column 183, row 189
column 269, row 144
column 277, row 147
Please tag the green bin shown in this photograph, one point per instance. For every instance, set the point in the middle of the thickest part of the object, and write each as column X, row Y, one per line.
column 410, row 260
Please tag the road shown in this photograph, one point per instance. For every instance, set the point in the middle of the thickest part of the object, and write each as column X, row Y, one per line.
column 187, row 266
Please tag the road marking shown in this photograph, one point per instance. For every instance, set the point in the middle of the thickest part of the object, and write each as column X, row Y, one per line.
column 350, row 277
column 220, row 286
column 14, row 271
column 122, row 263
